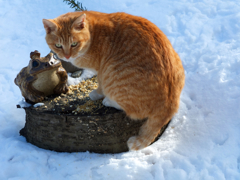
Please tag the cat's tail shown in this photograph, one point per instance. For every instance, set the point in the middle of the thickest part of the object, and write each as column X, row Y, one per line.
column 148, row 132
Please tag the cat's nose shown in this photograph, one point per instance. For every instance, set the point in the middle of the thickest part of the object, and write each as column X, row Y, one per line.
column 67, row 56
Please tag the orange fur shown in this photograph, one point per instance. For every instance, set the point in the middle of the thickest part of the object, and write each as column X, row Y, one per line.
column 137, row 68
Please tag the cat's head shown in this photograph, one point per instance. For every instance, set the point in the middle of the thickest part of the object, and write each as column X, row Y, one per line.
column 67, row 36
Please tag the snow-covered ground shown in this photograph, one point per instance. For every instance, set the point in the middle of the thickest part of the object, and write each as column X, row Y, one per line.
column 203, row 140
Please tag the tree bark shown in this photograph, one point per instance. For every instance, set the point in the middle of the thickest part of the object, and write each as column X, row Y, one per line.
column 104, row 133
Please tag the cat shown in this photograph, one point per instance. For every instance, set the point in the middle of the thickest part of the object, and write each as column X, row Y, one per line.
column 137, row 68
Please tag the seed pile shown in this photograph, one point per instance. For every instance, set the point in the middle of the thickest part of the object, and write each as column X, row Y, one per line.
column 76, row 101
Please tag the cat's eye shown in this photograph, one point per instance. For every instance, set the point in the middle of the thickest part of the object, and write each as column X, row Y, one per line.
column 74, row 44
column 58, row 45
column 35, row 64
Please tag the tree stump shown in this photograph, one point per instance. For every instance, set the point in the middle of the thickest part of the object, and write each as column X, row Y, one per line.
column 69, row 124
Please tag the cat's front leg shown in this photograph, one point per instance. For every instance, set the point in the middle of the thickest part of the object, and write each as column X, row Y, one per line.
column 110, row 103
column 95, row 95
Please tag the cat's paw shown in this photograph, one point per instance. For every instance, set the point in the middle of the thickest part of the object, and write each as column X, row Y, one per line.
column 134, row 143
column 95, row 96
column 110, row 103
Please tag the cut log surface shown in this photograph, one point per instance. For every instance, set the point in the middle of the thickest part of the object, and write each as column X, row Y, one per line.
column 74, row 123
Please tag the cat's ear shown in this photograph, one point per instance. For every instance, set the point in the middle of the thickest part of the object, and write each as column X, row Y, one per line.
column 49, row 26
column 80, row 22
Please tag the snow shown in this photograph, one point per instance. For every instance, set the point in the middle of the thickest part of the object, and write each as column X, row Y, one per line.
column 37, row 105
column 202, row 141
column 85, row 74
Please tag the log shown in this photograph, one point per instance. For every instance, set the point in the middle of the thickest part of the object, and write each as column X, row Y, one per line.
column 69, row 124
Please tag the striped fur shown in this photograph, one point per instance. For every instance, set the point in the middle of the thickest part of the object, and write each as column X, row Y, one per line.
column 138, row 69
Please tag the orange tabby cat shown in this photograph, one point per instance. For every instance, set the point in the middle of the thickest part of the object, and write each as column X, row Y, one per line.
column 137, row 68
